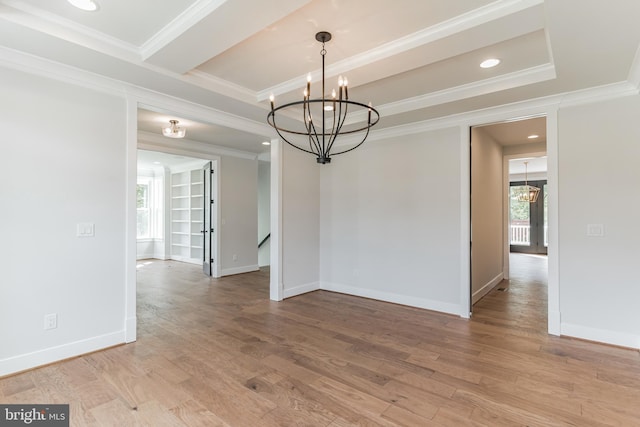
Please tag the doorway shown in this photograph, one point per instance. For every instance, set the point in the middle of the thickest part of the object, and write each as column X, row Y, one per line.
column 177, row 209
column 528, row 219
column 493, row 147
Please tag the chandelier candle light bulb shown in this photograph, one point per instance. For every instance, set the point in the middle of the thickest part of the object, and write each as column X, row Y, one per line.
column 319, row 139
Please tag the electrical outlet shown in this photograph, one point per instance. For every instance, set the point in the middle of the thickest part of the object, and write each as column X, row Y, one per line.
column 235, row 257
column 50, row 321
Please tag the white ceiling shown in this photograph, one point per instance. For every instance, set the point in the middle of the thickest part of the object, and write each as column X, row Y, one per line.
column 518, row 133
column 152, row 122
column 413, row 59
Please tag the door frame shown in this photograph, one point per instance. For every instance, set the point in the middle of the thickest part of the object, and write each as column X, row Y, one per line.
column 210, row 198
column 536, row 235
column 549, row 110
column 215, row 161
column 505, row 204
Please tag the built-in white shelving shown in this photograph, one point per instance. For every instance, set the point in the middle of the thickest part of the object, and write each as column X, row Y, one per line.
column 187, row 199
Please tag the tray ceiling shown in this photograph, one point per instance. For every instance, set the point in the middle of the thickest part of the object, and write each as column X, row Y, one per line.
column 413, row 59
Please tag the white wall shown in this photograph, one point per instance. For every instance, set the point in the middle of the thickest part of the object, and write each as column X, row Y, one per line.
column 486, row 214
column 239, row 215
column 390, row 226
column 300, row 222
column 146, row 249
column 264, row 214
column 599, row 177
column 63, row 163
column 524, row 149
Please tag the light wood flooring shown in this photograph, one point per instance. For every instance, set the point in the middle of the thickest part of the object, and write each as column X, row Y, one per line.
column 520, row 302
column 218, row 352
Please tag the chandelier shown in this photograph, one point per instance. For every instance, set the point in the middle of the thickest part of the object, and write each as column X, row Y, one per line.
column 173, row 130
column 324, row 118
column 528, row 193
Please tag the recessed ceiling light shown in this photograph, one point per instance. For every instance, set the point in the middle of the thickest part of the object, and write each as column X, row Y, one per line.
column 266, row 143
column 488, row 63
column 533, row 136
column 88, row 5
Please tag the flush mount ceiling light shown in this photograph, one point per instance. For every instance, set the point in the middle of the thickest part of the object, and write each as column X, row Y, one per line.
column 323, row 119
column 173, row 130
column 529, row 193
column 266, row 143
column 489, row 63
column 88, row 5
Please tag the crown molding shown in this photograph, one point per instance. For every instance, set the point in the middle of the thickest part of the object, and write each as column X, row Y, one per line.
column 634, row 72
column 221, row 86
column 464, row 22
column 42, row 67
column 178, row 26
column 598, row 94
column 506, row 81
column 46, row 22
column 20, row 61
column 519, row 110
column 160, row 143
column 512, row 111
column 158, row 102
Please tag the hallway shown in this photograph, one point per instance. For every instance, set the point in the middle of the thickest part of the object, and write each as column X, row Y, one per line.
column 519, row 303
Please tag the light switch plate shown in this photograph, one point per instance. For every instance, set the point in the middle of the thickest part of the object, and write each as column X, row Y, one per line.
column 85, row 229
column 595, row 230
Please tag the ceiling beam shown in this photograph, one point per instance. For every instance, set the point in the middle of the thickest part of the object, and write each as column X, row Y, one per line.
column 530, row 18
column 209, row 28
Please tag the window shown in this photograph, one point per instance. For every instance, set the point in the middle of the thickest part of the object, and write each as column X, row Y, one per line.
column 149, row 204
column 144, row 214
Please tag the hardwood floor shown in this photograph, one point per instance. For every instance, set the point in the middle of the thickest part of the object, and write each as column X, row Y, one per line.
column 521, row 302
column 218, row 352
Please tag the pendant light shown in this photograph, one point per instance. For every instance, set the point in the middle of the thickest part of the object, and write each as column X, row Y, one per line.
column 529, row 193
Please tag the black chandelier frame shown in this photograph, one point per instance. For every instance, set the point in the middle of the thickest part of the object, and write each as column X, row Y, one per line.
column 320, row 142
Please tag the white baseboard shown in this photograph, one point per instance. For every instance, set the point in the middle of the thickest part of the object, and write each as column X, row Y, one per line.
column 301, row 289
column 477, row 295
column 554, row 324
column 427, row 304
column 600, row 335
column 239, row 270
column 23, row 362
column 131, row 331
column 185, row 259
